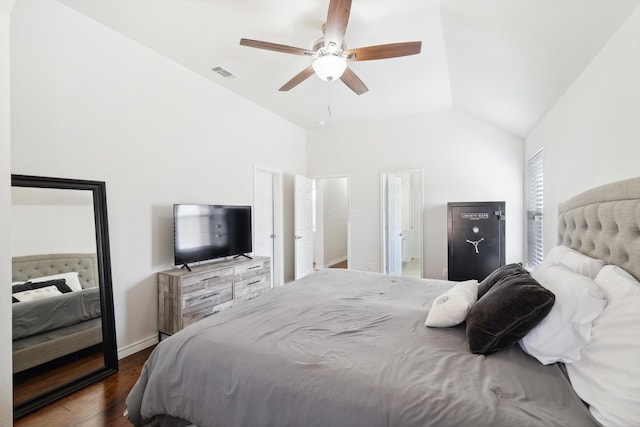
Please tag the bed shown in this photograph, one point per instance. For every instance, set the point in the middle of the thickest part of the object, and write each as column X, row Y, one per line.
column 48, row 328
column 350, row 348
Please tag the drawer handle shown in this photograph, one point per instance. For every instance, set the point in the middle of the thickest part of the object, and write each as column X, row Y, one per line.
column 208, row 296
column 254, row 282
column 251, row 268
column 209, row 278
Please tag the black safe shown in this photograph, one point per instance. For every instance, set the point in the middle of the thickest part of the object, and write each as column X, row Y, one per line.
column 476, row 239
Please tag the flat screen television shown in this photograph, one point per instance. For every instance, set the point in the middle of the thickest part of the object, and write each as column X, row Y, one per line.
column 206, row 232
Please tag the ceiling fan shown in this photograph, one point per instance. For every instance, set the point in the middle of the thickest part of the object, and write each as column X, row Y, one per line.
column 332, row 54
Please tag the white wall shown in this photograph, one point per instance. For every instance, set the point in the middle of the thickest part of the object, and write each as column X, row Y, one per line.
column 6, row 370
column 52, row 229
column 592, row 135
column 48, row 221
column 89, row 103
column 464, row 159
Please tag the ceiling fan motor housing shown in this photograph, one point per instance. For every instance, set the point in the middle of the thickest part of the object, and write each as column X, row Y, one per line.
column 318, row 47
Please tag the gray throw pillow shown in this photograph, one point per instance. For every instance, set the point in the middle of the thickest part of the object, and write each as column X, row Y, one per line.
column 497, row 274
column 507, row 312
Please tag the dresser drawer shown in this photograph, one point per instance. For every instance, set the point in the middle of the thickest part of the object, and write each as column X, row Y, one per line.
column 203, row 303
column 251, row 287
column 197, row 283
column 213, row 295
column 201, row 293
column 252, row 269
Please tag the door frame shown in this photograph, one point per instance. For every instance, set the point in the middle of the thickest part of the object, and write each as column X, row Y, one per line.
column 348, row 177
column 419, row 222
column 277, row 263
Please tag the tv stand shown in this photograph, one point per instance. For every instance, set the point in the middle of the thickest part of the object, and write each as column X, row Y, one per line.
column 185, row 266
column 186, row 295
column 244, row 255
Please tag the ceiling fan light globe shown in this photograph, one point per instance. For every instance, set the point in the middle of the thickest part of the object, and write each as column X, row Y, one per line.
column 329, row 67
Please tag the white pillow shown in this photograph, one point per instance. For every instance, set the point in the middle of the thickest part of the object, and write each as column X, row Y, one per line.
column 452, row 307
column 576, row 261
column 562, row 334
column 71, row 278
column 608, row 375
column 34, row 294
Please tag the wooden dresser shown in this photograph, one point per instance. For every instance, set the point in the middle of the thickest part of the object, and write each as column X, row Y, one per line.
column 184, row 297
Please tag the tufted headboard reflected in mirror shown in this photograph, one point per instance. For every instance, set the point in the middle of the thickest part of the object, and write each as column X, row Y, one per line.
column 604, row 223
column 30, row 266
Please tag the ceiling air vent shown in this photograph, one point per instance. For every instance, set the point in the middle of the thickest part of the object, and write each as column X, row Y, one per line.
column 224, row 72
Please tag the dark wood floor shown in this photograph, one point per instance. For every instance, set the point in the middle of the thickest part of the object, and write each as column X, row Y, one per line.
column 341, row 264
column 100, row 404
column 51, row 375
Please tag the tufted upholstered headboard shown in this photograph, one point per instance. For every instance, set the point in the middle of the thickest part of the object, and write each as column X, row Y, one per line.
column 604, row 223
column 31, row 266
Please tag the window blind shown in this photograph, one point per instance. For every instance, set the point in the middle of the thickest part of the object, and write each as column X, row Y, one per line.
column 535, row 210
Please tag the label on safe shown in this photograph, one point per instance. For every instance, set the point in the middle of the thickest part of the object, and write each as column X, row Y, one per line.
column 475, row 216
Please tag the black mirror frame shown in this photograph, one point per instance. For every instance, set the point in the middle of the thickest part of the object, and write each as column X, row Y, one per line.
column 98, row 190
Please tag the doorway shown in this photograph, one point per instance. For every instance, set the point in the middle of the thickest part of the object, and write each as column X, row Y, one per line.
column 331, row 222
column 401, row 213
column 267, row 220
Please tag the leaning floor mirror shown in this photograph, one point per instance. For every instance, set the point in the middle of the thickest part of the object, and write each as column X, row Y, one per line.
column 63, row 322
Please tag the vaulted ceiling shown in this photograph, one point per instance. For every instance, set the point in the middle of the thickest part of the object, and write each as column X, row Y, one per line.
column 503, row 61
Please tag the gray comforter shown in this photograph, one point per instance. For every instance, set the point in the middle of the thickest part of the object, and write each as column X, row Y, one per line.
column 35, row 317
column 345, row 348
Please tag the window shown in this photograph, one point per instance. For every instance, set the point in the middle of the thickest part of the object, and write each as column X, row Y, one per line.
column 534, row 226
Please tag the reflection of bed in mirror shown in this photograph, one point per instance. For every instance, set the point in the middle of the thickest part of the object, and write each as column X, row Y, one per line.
column 56, row 326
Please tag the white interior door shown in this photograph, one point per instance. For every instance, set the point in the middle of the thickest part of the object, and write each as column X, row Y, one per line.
column 267, row 219
column 303, row 227
column 263, row 216
column 394, row 225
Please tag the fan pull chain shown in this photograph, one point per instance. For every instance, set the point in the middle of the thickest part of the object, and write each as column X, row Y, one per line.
column 329, row 100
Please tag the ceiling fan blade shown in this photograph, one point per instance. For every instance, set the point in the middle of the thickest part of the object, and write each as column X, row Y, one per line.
column 276, row 47
column 297, row 79
column 337, row 20
column 383, row 51
column 353, row 81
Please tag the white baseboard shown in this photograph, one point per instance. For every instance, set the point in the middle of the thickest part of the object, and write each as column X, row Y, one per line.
column 137, row 346
column 337, row 260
